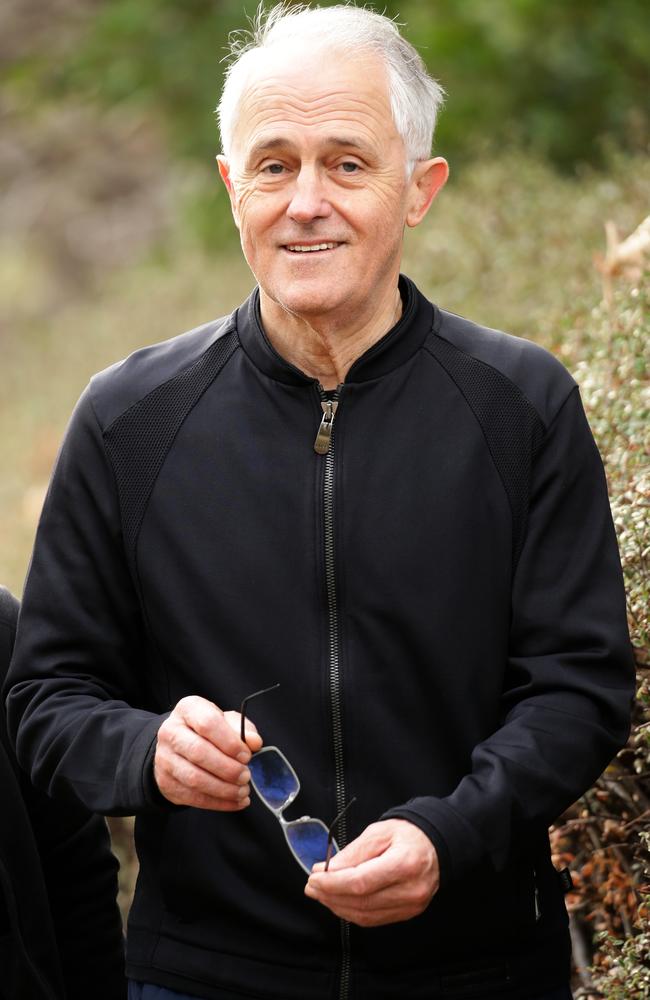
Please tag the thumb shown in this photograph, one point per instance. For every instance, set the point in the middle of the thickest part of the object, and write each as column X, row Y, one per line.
column 253, row 738
column 369, row 844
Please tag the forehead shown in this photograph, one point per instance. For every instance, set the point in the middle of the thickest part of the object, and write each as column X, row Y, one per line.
column 296, row 94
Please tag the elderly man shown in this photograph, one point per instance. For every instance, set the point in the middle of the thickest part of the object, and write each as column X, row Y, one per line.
column 397, row 517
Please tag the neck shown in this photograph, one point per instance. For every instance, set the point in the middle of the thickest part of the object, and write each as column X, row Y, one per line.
column 325, row 348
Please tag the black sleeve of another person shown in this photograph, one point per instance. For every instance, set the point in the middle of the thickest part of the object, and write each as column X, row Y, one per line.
column 60, row 927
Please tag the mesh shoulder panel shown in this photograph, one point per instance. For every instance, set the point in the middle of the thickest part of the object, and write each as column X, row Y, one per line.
column 139, row 440
column 512, row 427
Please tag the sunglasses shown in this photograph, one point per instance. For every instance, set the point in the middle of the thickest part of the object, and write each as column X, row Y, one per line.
column 277, row 785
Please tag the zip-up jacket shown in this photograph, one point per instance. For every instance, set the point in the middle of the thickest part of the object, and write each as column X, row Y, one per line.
column 60, row 928
column 438, row 593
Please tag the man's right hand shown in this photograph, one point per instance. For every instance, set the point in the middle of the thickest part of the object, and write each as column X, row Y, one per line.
column 200, row 759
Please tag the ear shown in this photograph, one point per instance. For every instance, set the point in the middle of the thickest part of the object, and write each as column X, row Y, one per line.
column 429, row 177
column 224, row 170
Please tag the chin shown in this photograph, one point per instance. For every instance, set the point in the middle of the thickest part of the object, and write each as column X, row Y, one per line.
column 307, row 301
column 310, row 306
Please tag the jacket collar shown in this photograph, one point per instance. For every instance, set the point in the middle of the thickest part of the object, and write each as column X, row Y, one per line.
column 392, row 350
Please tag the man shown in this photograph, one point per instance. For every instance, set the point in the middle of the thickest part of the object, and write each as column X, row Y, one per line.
column 395, row 515
column 60, row 928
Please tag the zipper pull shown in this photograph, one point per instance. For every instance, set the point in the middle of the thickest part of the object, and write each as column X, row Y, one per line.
column 324, row 436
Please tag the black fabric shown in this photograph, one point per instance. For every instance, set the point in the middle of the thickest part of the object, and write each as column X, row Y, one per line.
column 60, row 930
column 138, row 441
column 512, row 427
column 480, row 693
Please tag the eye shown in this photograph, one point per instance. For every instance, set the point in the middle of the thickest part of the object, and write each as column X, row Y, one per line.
column 273, row 168
column 349, row 167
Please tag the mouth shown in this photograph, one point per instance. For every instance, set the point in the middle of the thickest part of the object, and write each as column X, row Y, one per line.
column 306, row 248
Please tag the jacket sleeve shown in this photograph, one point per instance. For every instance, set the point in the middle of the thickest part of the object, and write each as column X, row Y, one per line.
column 80, row 874
column 77, row 871
column 569, row 682
column 78, row 672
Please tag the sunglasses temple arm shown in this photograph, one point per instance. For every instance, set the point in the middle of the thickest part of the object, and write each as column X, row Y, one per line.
column 245, row 702
column 330, row 832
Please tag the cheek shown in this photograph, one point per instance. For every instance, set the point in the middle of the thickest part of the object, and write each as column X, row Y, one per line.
column 256, row 212
column 383, row 211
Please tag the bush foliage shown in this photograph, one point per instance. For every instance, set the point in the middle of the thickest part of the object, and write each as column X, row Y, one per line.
column 604, row 838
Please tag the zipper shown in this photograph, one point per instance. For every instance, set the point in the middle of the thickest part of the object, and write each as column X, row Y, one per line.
column 538, row 911
column 324, row 445
column 324, row 436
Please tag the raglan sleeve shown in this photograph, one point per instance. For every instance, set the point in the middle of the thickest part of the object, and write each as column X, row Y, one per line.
column 567, row 697
column 76, row 686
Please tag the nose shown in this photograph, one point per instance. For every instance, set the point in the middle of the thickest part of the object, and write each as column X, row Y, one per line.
column 308, row 198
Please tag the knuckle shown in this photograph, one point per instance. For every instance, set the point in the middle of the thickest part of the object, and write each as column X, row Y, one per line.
column 199, row 712
column 411, row 864
column 181, row 773
column 192, row 747
column 358, row 887
column 165, row 730
column 421, row 897
column 186, row 704
column 421, row 900
column 176, row 739
column 194, row 781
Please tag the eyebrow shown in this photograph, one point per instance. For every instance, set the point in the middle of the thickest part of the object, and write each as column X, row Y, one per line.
column 270, row 145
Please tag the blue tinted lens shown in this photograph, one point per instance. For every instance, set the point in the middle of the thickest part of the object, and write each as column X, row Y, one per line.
column 309, row 842
column 272, row 779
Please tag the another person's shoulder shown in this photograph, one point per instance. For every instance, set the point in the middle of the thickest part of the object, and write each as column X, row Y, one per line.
column 490, row 363
column 8, row 612
column 127, row 382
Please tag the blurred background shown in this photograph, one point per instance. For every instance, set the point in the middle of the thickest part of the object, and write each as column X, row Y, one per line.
column 114, row 233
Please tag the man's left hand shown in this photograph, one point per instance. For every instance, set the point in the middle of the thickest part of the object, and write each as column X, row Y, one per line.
column 389, row 873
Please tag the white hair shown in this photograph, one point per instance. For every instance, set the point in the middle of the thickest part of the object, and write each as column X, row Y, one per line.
column 415, row 97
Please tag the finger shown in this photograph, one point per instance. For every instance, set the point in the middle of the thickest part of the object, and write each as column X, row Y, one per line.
column 177, row 740
column 357, row 896
column 253, row 738
column 373, row 842
column 365, row 878
column 177, row 770
column 397, row 902
column 389, row 897
column 208, row 721
column 182, row 796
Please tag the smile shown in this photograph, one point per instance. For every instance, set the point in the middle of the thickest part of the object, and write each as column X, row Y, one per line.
column 307, row 248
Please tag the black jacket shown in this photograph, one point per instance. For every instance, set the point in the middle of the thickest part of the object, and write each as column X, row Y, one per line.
column 60, row 929
column 439, row 596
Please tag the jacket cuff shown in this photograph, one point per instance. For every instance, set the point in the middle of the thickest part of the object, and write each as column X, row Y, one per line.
column 143, row 789
column 457, row 844
column 152, row 794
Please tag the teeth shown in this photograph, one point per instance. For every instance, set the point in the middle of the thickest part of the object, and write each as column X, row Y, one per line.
column 299, row 248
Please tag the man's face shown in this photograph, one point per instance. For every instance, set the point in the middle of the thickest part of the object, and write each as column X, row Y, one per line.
column 318, row 186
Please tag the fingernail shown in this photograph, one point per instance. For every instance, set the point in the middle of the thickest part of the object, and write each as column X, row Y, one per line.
column 242, row 793
column 243, row 757
column 244, row 778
